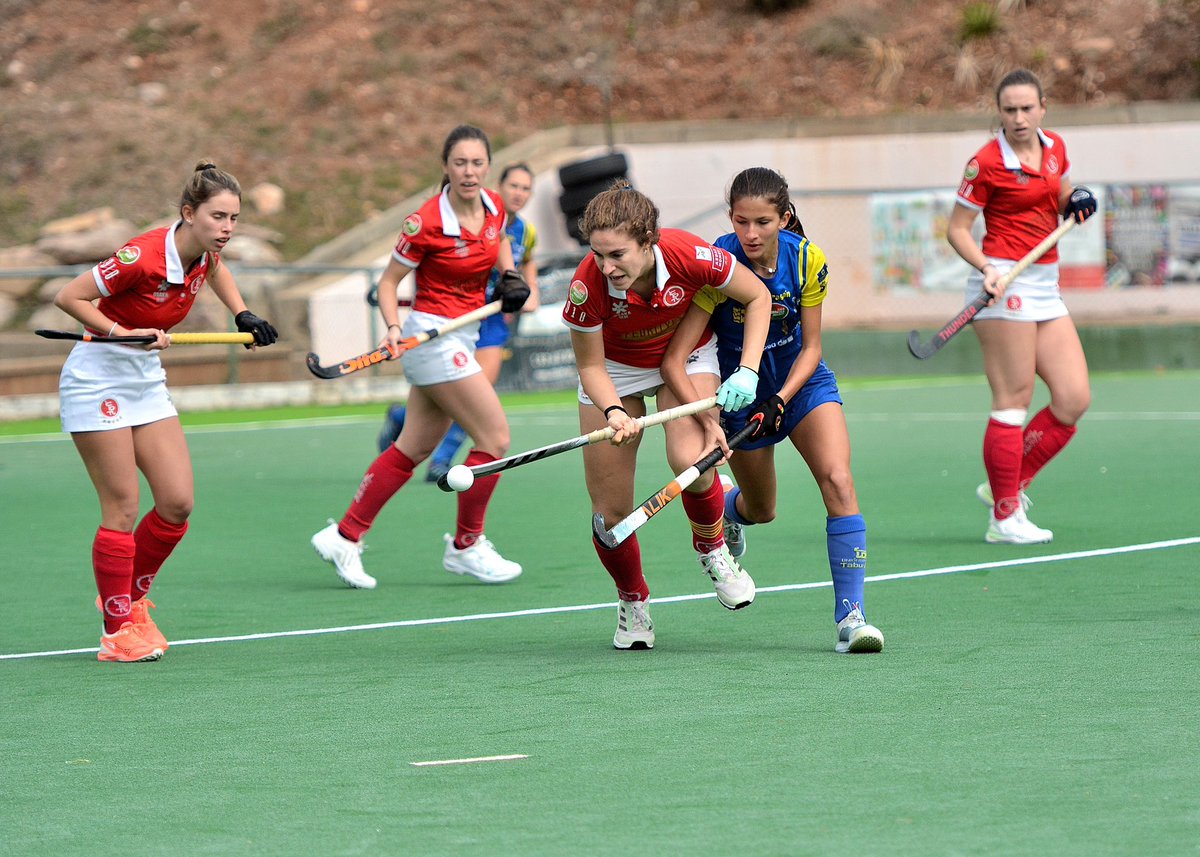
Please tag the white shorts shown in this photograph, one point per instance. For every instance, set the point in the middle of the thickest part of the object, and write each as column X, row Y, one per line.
column 1033, row 296
column 449, row 357
column 636, row 381
column 105, row 386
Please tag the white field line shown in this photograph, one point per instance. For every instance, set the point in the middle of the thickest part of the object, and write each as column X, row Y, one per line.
column 509, row 758
column 670, row 599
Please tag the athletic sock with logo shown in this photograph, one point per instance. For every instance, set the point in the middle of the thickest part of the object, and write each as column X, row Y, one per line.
column 1044, row 438
column 846, row 542
column 704, row 512
column 112, row 564
column 386, row 475
column 1002, row 460
column 473, row 503
column 155, row 538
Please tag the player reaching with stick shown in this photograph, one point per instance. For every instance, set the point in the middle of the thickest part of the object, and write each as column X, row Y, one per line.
column 1019, row 182
column 116, row 406
column 797, row 398
column 625, row 300
column 453, row 241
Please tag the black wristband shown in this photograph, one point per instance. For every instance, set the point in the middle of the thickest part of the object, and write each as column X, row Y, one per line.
column 615, row 408
column 393, row 324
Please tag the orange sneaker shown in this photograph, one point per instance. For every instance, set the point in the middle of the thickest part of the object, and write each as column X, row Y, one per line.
column 139, row 615
column 127, row 646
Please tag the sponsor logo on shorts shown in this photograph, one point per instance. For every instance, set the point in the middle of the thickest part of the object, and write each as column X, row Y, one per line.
column 460, row 359
column 673, row 295
column 412, row 225
column 1013, row 303
column 578, row 292
column 109, row 408
column 128, row 255
column 972, row 171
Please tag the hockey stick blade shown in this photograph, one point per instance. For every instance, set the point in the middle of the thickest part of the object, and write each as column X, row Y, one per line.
column 611, row 538
column 924, row 350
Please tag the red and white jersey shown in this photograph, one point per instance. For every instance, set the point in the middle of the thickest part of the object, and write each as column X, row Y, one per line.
column 636, row 331
column 1019, row 205
column 452, row 264
column 144, row 285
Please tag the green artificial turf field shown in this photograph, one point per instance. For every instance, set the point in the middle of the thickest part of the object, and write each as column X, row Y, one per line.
column 1030, row 700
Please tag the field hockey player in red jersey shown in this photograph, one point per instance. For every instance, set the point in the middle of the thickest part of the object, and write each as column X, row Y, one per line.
column 452, row 242
column 625, row 300
column 116, row 406
column 797, row 398
column 1019, row 182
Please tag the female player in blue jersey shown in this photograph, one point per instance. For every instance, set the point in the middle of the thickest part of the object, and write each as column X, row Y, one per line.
column 516, row 187
column 797, row 393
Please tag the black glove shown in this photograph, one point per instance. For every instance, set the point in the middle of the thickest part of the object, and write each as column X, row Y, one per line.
column 260, row 328
column 767, row 417
column 1081, row 205
column 512, row 291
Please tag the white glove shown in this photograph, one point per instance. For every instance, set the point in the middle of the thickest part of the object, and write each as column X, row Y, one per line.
column 738, row 390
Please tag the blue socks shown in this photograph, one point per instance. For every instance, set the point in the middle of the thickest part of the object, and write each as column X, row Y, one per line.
column 731, row 511
column 448, row 448
column 846, row 541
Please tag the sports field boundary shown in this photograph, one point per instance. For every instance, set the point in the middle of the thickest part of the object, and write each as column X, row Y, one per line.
column 670, row 599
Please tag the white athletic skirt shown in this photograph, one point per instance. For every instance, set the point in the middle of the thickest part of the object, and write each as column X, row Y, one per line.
column 636, row 381
column 1033, row 296
column 449, row 357
column 104, row 386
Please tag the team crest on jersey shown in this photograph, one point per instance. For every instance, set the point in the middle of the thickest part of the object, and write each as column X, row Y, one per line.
column 704, row 254
column 1052, row 164
column 972, row 171
column 620, row 309
column 196, row 285
column 412, row 225
column 673, row 295
column 490, row 234
column 578, row 292
column 128, row 255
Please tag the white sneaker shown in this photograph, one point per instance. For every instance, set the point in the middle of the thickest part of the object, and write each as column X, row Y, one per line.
column 1016, row 529
column 735, row 588
column 481, row 560
column 984, row 493
column 345, row 555
column 634, row 628
column 855, row 636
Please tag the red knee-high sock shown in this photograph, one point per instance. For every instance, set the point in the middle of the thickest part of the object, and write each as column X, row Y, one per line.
column 705, row 512
column 624, row 566
column 1002, row 460
column 155, row 538
column 1044, row 438
column 112, row 563
column 473, row 503
column 386, row 475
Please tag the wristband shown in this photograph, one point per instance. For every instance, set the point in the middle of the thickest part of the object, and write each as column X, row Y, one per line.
column 394, row 324
column 611, row 408
column 116, row 324
column 985, row 265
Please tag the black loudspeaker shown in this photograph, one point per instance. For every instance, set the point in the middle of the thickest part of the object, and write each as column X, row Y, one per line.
column 582, row 181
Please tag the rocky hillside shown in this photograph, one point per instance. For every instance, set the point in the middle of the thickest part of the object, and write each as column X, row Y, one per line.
column 343, row 103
